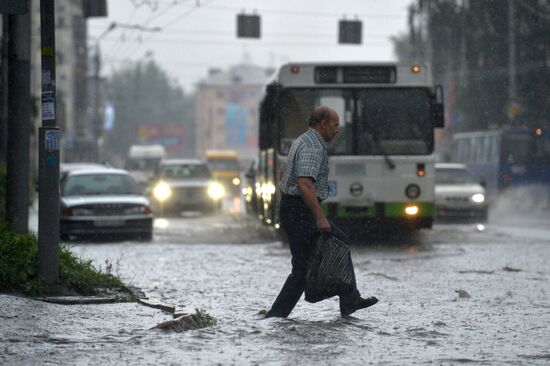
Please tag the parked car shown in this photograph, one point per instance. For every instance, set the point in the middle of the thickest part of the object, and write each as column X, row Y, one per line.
column 457, row 195
column 103, row 201
column 186, row 185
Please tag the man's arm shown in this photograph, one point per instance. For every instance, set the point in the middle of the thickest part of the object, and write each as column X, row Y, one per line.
column 309, row 196
column 281, row 173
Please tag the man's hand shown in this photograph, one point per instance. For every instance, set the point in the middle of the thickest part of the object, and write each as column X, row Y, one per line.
column 309, row 196
column 323, row 224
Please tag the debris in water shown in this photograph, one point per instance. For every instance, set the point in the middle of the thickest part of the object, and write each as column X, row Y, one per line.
column 474, row 271
column 510, row 269
column 198, row 319
column 463, row 294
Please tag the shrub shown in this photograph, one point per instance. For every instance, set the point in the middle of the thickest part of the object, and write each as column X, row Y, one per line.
column 19, row 270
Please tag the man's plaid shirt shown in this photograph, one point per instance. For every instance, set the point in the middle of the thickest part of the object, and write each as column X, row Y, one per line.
column 307, row 157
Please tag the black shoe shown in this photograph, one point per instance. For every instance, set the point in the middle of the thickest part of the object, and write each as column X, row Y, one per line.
column 357, row 304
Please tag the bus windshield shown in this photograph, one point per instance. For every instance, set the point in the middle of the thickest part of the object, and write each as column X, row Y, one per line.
column 374, row 121
column 223, row 164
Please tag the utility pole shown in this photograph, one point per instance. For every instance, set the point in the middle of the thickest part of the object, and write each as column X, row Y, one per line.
column 19, row 122
column 4, row 91
column 97, row 126
column 48, row 154
column 512, row 82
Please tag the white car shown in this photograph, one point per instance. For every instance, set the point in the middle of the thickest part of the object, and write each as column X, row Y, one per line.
column 103, row 202
column 185, row 185
column 457, row 195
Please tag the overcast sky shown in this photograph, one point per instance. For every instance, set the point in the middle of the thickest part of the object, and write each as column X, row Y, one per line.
column 194, row 38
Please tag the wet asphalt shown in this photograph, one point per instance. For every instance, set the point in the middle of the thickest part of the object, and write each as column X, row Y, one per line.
column 456, row 294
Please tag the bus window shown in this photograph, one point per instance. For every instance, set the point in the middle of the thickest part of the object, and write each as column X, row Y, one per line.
column 486, row 149
column 394, row 121
column 541, row 152
column 494, row 149
column 296, row 106
column 515, row 150
column 465, row 158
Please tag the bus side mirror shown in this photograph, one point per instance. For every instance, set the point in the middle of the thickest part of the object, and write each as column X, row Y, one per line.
column 439, row 109
column 268, row 116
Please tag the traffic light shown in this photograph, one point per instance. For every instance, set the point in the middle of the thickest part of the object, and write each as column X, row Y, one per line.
column 350, row 31
column 248, row 26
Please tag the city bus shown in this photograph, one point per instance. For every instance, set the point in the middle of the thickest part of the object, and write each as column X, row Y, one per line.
column 381, row 162
column 507, row 158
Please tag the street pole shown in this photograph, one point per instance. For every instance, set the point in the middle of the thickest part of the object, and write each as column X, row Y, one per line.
column 48, row 154
column 4, row 91
column 19, row 122
column 97, row 119
column 512, row 82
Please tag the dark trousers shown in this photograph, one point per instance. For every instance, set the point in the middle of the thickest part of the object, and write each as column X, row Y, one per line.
column 301, row 229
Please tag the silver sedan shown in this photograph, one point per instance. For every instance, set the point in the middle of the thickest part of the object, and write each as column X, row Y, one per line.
column 103, row 202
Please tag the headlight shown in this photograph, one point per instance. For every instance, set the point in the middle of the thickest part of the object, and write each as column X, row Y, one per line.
column 236, row 181
column 268, row 188
column 216, row 191
column 478, row 198
column 411, row 210
column 162, row 191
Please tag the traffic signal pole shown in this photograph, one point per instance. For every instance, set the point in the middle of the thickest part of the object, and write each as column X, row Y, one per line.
column 48, row 154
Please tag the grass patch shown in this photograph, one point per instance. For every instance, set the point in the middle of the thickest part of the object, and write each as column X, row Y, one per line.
column 207, row 319
column 19, row 271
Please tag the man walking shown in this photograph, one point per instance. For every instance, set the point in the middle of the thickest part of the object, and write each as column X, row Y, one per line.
column 303, row 186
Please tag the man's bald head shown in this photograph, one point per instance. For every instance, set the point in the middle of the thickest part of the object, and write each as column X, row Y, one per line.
column 320, row 113
column 325, row 120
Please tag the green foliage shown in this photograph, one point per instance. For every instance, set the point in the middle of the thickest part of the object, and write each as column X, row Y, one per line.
column 18, row 260
column 467, row 43
column 142, row 93
column 206, row 318
column 2, row 192
column 19, row 270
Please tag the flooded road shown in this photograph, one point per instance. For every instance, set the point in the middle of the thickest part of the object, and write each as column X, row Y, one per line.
column 458, row 294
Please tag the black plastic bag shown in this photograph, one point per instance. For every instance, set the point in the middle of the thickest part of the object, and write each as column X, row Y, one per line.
column 330, row 270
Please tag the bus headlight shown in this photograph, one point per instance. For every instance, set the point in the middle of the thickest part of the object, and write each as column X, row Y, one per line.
column 478, row 198
column 236, row 181
column 216, row 191
column 162, row 191
column 411, row 210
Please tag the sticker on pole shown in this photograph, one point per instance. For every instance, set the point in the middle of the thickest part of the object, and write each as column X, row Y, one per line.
column 48, row 96
column 51, row 140
column 48, row 110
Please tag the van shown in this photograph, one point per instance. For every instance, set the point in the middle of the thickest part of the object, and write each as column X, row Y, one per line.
column 142, row 161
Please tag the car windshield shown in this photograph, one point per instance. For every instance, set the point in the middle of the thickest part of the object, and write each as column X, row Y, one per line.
column 142, row 164
column 223, row 164
column 452, row 176
column 184, row 171
column 99, row 185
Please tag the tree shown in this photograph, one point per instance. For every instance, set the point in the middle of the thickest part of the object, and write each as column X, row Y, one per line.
column 143, row 94
column 467, row 44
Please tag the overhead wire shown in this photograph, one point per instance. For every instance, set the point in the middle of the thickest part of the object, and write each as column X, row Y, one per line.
column 173, row 21
column 130, row 46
